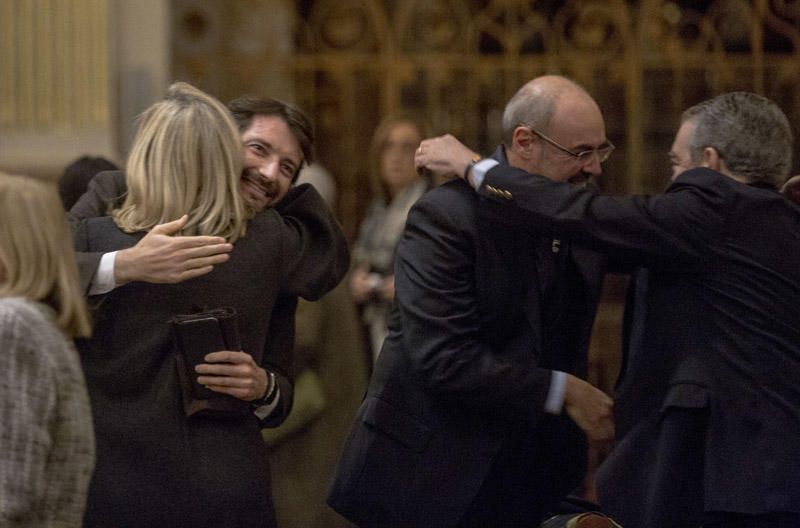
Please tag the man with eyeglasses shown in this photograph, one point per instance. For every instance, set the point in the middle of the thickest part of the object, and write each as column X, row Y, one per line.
column 707, row 406
column 476, row 413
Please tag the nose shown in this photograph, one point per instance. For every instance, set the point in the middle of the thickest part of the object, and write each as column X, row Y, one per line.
column 269, row 169
column 593, row 166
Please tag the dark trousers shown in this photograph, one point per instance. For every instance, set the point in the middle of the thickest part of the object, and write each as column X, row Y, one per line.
column 530, row 476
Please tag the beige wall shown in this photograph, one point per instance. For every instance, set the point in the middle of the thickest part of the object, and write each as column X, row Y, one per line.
column 73, row 74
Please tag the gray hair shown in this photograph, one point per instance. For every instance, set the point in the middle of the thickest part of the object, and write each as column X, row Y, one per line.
column 535, row 103
column 750, row 133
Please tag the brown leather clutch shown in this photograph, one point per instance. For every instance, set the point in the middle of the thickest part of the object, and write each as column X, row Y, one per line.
column 196, row 335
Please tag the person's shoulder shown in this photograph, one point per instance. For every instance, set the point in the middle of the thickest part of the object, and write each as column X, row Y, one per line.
column 699, row 176
column 28, row 333
column 454, row 201
column 18, row 314
column 109, row 179
column 455, row 191
column 707, row 183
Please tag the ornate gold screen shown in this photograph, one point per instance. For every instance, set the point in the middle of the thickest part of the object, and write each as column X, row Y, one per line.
column 350, row 62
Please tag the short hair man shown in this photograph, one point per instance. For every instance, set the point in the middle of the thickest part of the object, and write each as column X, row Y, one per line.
column 462, row 424
column 278, row 140
column 707, row 408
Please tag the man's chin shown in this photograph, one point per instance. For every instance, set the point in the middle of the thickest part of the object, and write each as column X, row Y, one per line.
column 260, row 203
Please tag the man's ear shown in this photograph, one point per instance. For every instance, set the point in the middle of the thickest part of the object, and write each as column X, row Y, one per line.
column 712, row 159
column 523, row 141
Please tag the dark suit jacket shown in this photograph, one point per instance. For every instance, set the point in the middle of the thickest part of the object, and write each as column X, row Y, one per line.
column 717, row 329
column 462, row 374
column 325, row 241
column 155, row 467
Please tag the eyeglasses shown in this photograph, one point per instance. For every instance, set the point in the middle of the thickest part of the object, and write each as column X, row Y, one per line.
column 583, row 156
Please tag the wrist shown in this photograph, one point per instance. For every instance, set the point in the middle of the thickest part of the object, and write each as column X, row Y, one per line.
column 123, row 264
column 468, row 169
column 270, row 393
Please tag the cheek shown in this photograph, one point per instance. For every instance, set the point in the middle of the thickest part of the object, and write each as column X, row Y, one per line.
column 249, row 158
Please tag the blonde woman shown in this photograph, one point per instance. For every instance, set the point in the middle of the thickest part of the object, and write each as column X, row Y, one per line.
column 46, row 441
column 155, row 465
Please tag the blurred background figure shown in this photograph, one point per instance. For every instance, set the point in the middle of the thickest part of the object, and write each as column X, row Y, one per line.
column 331, row 376
column 395, row 186
column 76, row 176
column 47, row 445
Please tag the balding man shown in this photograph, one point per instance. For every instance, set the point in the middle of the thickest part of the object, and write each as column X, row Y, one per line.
column 707, row 406
column 462, row 424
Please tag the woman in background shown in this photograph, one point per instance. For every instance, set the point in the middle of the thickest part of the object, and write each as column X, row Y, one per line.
column 46, row 436
column 396, row 186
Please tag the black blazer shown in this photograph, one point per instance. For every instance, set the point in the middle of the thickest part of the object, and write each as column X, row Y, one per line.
column 154, row 466
column 718, row 328
column 461, row 373
column 326, row 262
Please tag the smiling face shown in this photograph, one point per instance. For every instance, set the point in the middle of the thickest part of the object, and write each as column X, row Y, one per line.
column 272, row 157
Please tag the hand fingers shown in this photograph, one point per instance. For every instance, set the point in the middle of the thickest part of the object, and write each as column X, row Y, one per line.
column 203, row 244
column 205, row 262
column 213, row 250
column 193, row 273
column 228, row 370
column 242, row 394
column 227, row 381
column 171, row 227
column 229, row 356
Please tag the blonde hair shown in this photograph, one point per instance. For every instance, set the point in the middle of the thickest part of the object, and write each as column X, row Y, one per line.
column 185, row 159
column 37, row 260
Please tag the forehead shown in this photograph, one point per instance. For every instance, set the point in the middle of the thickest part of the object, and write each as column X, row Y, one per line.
column 273, row 130
column 577, row 122
column 683, row 136
column 402, row 132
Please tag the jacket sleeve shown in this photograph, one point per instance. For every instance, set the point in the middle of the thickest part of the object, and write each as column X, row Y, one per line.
column 105, row 191
column 278, row 357
column 316, row 255
column 436, row 296
column 674, row 229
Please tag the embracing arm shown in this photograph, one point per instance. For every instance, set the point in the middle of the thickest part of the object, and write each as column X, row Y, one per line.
column 159, row 257
column 676, row 228
column 314, row 246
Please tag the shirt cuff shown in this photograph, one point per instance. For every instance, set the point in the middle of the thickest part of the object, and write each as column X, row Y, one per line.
column 480, row 169
column 555, row 397
column 265, row 410
column 103, row 280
